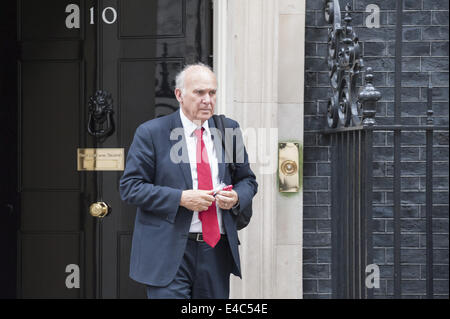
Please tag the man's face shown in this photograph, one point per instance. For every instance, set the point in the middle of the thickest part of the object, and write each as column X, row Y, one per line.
column 199, row 97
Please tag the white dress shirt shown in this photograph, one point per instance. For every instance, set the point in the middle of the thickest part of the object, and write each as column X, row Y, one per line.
column 191, row 141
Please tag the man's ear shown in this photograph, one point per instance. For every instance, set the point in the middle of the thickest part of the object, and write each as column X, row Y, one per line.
column 178, row 95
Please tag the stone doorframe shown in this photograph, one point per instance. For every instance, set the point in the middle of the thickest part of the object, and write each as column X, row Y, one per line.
column 259, row 61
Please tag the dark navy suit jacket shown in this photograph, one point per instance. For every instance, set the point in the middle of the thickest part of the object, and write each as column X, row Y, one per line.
column 154, row 183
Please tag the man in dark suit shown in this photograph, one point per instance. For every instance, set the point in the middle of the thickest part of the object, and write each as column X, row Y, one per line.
column 185, row 242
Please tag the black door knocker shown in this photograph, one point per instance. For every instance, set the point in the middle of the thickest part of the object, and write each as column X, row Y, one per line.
column 101, row 121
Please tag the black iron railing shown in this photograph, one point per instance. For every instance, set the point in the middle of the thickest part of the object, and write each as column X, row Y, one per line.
column 351, row 124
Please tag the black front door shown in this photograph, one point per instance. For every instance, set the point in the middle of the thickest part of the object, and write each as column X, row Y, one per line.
column 69, row 50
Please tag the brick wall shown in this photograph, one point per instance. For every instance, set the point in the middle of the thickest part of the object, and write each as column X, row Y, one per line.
column 425, row 58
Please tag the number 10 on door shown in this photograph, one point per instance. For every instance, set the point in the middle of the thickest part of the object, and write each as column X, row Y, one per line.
column 73, row 17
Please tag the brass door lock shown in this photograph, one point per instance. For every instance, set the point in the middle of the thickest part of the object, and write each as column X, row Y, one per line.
column 99, row 209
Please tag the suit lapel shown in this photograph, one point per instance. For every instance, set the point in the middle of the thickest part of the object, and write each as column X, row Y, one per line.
column 184, row 165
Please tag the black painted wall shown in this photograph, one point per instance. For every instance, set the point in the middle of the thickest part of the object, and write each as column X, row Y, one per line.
column 425, row 58
column 8, row 153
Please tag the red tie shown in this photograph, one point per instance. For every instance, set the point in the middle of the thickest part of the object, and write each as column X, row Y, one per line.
column 210, row 225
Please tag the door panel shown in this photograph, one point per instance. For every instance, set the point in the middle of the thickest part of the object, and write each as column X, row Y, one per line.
column 126, row 288
column 152, row 19
column 50, row 119
column 144, row 92
column 135, row 59
column 50, row 211
column 51, row 93
column 45, row 256
column 44, row 20
column 140, row 59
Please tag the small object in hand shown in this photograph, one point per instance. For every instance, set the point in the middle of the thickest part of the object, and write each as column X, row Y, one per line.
column 223, row 187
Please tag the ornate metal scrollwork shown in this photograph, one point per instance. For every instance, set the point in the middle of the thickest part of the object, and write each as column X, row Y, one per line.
column 344, row 63
column 101, row 121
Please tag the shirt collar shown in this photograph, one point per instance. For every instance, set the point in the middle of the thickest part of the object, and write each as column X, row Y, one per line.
column 189, row 126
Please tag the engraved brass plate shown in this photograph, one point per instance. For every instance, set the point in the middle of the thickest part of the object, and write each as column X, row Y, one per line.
column 100, row 159
column 288, row 167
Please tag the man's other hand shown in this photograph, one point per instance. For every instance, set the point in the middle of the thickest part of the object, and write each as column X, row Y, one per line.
column 196, row 200
column 226, row 199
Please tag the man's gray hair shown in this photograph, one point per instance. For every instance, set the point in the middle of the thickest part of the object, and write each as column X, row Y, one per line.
column 179, row 79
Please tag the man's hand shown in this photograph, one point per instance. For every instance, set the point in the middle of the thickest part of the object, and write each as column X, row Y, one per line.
column 196, row 200
column 226, row 200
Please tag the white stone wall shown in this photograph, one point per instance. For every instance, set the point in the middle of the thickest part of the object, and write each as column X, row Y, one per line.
column 259, row 60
